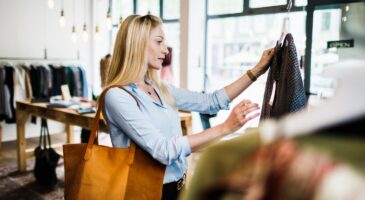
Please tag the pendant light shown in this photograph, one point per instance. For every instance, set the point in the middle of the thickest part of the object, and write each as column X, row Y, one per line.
column 97, row 32
column 74, row 34
column 62, row 17
column 50, row 4
column 109, row 23
column 85, row 35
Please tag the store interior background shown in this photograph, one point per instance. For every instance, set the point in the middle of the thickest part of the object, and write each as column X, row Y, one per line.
column 213, row 44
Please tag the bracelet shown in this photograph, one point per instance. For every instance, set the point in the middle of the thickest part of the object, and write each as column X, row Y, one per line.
column 251, row 76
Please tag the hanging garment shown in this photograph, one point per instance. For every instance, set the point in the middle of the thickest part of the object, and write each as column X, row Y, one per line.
column 41, row 81
column 5, row 109
column 57, row 79
column 284, row 91
column 84, row 84
column 77, row 82
column 20, row 92
column 27, row 80
column 9, row 81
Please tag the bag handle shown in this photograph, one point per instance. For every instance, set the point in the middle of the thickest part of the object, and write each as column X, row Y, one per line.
column 95, row 127
column 44, row 135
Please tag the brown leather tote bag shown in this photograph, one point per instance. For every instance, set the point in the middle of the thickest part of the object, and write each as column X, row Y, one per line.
column 94, row 171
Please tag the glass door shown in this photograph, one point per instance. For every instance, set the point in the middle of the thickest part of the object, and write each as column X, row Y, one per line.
column 338, row 35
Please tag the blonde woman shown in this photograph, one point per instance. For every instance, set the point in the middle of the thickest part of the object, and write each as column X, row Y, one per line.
column 155, row 127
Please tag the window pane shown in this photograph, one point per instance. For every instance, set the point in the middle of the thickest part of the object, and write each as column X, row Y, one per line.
column 224, row 6
column 143, row 6
column 236, row 44
column 172, row 32
column 121, row 8
column 301, row 2
column 171, row 9
column 266, row 3
column 342, row 23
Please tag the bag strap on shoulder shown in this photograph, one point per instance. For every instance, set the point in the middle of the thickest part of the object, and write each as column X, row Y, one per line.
column 95, row 127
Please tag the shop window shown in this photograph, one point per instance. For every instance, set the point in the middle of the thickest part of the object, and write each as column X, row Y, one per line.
column 341, row 25
column 301, row 2
column 171, row 9
column 121, row 8
column 216, row 7
column 145, row 6
column 239, row 47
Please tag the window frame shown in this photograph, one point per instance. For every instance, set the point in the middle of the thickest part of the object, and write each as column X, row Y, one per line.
column 161, row 14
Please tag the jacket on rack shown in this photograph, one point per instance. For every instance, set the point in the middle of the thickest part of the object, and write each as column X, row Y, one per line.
column 284, row 91
column 41, row 80
column 5, row 107
column 9, row 81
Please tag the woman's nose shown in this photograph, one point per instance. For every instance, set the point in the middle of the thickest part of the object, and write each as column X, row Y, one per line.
column 165, row 50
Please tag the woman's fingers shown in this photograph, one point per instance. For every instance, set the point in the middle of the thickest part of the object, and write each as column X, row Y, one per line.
column 244, row 102
column 245, row 108
column 249, row 110
column 251, row 117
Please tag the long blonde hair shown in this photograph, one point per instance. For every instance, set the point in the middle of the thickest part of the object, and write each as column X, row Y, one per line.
column 129, row 60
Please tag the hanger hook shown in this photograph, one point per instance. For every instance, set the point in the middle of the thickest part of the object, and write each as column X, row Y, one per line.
column 290, row 3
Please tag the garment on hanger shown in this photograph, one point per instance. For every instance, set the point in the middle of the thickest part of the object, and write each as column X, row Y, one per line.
column 9, row 81
column 27, row 80
column 19, row 84
column 284, row 92
column 57, row 79
column 84, row 84
column 5, row 109
column 40, row 80
column 77, row 82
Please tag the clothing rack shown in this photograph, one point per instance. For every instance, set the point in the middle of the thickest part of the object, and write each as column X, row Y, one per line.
column 38, row 59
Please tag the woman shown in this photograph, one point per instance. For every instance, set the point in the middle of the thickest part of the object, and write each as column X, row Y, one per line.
column 155, row 127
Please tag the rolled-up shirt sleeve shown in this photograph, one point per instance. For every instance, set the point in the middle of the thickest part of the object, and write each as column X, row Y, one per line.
column 122, row 110
column 208, row 103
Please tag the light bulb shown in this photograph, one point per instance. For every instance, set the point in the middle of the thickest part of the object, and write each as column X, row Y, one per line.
column 109, row 23
column 96, row 35
column 85, row 35
column 74, row 34
column 347, row 8
column 62, row 19
column 344, row 19
column 51, row 4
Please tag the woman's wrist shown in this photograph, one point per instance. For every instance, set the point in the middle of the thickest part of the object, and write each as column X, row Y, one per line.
column 256, row 71
column 224, row 129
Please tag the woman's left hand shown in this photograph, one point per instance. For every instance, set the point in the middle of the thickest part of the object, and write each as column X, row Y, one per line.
column 263, row 64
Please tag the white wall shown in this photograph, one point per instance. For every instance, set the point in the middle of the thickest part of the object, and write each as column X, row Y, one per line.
column 29, row 26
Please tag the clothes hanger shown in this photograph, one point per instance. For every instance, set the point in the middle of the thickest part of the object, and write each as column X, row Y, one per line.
column 347, row 104
column 285, row 27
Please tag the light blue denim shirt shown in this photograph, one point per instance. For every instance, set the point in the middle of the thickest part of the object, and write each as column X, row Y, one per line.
column 156, row 127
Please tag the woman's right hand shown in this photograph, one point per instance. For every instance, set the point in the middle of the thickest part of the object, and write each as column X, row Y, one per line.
column 240, row 115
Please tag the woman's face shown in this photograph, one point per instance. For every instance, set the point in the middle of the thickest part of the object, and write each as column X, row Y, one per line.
column 157, row 48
